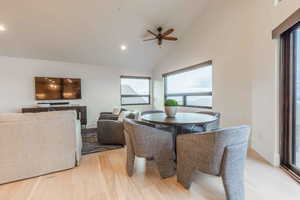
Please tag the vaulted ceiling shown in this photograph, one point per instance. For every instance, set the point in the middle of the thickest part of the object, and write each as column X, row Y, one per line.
column 92, row 31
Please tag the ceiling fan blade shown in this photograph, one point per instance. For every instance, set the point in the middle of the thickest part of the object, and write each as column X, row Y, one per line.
column 170, row 38
column 152, row 33
column 168, row 32
column 149, row 39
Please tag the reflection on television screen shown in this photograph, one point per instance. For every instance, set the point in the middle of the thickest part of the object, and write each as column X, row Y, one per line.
column 57, row 88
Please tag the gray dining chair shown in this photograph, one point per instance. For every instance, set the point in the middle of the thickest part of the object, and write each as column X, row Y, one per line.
column 205, row 127
column 220, row 153
column 148, row 142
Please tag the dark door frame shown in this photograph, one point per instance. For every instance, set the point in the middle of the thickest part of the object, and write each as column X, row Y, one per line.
column 287, row 101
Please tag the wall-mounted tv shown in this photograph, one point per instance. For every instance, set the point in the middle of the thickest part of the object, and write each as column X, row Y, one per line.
column 47, row 88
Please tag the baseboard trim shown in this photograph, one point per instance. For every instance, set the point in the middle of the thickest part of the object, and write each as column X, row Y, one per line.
column 270, row 157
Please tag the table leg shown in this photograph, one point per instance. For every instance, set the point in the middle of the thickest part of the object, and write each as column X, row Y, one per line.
column 177, row 131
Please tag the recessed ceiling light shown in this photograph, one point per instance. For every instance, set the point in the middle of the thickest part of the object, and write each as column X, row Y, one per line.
column 2, row 28
column 123, row 47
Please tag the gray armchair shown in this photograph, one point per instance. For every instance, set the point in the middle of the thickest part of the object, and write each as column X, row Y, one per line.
column 110, row 115
column 220, row 153
column 148, row 142
column 112, row 131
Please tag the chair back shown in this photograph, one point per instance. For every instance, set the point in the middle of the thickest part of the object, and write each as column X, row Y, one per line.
column 224, row 139
column 138, row 134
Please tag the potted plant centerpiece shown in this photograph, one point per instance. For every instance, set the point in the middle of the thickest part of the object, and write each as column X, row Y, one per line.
column 171, row 107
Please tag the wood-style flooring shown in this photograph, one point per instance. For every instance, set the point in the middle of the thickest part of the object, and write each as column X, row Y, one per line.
column 102, row 176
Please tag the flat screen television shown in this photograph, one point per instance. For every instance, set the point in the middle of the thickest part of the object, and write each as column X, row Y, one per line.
column 47, row 88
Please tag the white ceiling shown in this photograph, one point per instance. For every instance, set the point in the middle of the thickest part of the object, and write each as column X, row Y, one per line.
column 91, row 31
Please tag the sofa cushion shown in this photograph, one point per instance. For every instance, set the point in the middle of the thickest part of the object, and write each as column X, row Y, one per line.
column 116, row 111
column 55, row 114
column 13, row 117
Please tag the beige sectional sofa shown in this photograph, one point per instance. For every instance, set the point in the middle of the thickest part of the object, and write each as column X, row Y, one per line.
column 34, row 144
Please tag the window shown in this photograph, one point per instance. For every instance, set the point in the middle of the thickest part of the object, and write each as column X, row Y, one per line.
column 191, row 87
column 290, row 100
column 135, row 90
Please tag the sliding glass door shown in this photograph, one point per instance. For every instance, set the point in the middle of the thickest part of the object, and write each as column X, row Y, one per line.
column 296, row 134
column 291, row 100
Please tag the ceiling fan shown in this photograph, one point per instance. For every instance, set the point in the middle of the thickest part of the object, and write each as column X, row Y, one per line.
column 162, row 36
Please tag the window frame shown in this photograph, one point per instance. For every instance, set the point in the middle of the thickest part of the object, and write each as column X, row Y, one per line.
column 126, row 96
column 185, row 95
column 287, row 103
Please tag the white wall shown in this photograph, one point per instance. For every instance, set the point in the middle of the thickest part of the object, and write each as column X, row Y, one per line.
column 265, row 107
column 212, row 36
column 100, row 84
column 236, row 35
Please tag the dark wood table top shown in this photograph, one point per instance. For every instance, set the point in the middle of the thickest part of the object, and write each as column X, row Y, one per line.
column 180, row 119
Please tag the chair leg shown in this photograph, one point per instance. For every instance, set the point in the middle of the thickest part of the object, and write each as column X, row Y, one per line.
column 233, row 171
column 130, row 162
column 184, row 173
column 130, row 155
column 166, row 167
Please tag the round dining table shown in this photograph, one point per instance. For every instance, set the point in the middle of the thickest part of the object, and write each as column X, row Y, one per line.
column 181, row 119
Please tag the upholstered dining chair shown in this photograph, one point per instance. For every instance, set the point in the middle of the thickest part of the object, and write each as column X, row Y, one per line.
column 220, row 153
column 148, row 142
column 205, row 127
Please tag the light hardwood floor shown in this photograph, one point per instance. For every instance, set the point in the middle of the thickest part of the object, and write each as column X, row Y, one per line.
column 102, row 176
